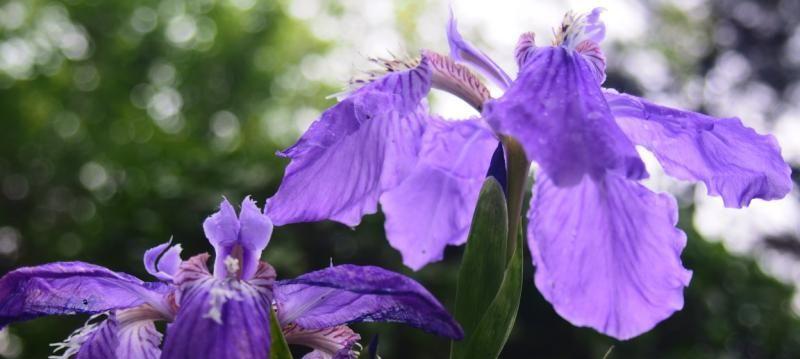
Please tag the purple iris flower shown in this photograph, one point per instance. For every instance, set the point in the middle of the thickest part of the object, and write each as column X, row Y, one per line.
column 606, row 249
column 224, row 314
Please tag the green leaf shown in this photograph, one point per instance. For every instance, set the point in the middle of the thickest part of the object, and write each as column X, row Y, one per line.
column 484, row 262
column 278, row 348
column 491, row 334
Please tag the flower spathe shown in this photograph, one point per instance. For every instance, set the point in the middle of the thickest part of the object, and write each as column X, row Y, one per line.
column 605, row 247
column 223, row 313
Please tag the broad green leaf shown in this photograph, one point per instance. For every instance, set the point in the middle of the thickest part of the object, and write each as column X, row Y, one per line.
column 491, row 334
column 278, row 348
column 484, row 262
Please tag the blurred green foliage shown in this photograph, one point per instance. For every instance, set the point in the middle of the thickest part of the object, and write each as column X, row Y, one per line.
column 123, row 123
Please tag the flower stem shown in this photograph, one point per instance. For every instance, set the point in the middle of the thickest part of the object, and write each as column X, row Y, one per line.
column 518, row 165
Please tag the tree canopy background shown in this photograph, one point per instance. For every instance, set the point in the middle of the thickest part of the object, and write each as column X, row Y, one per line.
column 124, row 123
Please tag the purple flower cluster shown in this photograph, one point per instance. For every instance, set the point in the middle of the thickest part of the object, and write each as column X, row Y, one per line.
column 219, row 314
column 605, row 247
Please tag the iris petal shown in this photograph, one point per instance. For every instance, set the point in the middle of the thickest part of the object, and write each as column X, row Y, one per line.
column 463, row 51
column 222, row 231
column 349, row 294
column 607, row 253
column 162, row 261
column 433, row 207
column 733, row 161
column 556, row 110
column 359, row 148
column 69, row 288
column 329, row 343
column 119, row 338
column 220, row 318
column 254, row 235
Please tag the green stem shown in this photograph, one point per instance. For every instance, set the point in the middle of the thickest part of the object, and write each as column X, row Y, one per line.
column 517, row 166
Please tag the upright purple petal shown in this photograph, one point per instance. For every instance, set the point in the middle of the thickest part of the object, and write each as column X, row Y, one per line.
column 328, row 343
column 349, row 294
column 68, row 288
column 733, row 161
column 222, row 231
column 359, row 148
column 122, row 335
column 556, row 110
column 607, row 253
column 162, row 261
column 254, row 235
column 463, row 51
column 220, row 318
column 526, row 47
column 433, row 207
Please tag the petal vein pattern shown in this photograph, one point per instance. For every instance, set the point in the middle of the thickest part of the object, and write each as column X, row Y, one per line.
column 607, row 253
column 359, row 148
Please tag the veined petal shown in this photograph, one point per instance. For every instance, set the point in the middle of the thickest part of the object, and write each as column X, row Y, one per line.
column 556, row 110
column 162, row 261
column 349, row 294
column 359, row 148
column 526, row 47
column 463, row 51
column 607, row 253
column 254, row 235
column 433, row 207
column 122, row 335
column 220, row 318
column 338, row 342
column 733, row 161
column 69, row 288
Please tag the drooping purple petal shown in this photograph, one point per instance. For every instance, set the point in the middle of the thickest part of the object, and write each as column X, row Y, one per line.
column 329, row 343
column 734, row 161
column 463, row 51
column 556, row 110
column 162, row 261
column 433, row 207
column 254, row 235
column 121, row 335
column 358, row 149
column 220, row 318
column 69, row 288
column 349, row 294
column 607, row 253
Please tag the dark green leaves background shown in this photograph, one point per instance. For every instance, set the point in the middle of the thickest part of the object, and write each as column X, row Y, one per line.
column 111, row 146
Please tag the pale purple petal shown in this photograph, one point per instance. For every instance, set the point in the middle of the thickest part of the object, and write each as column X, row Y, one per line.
column 328, row 343
column 556, row 110
column 120, row 337
column 359, row 148
column 254, row 235
column 349, row 294
column 222, row 231
column 607, row 253
column 433, row 207
column 463, row 51
column 594, row 28
column 68, row 288
column 220, row 318
column 734, row 161
column 162, row 261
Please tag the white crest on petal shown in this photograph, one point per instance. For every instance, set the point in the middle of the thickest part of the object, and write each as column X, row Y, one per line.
column 573, row 30
column 72, row 344
column 219, row 296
